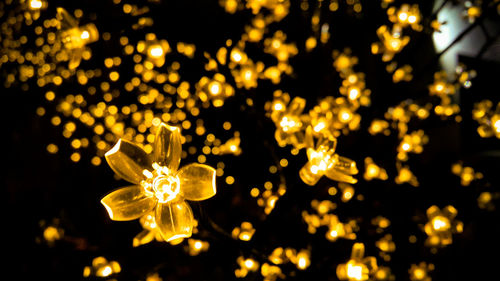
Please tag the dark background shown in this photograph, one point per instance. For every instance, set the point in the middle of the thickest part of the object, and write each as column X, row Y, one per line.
column 41, row 187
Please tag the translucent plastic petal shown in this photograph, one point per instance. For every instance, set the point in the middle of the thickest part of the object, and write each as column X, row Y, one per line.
column 128, row 203
column 143, row 237
column 174, row 219
column 167, row 146
column 197, row 181
column 296, row 106
column 340, row 176
column 128, row 161
column 307, row 176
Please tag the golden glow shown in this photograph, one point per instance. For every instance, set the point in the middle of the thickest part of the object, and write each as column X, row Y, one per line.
column 36, row 4
column 440, row 223
column 156, row 51
column 354, row 272
column 159, row 185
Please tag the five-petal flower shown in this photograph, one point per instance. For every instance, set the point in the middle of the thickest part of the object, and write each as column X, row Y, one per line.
column 158, row 185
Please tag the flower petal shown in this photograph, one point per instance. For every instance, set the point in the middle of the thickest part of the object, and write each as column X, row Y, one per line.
column 310, row 176
column 128, row 203
column 167, row 147
column 174, row 220
column 128, row 161
column 197, row 181
column 340, row 176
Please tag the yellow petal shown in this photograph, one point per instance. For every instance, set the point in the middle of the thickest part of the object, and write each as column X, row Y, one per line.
column 128, row 203
column 310, row 176
column 197, row 181
column 167, row 146
column 143, row 237
column 128, row 161
column 340, row 176
column 174, row 219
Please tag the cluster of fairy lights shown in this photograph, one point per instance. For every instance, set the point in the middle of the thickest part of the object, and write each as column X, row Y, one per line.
column 57, row 51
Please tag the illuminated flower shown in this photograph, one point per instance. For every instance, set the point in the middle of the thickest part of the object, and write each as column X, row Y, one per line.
column 353, row 87
column 466, row 174
column 391, row 42
column 277, row 47
column 101, row 267
column 196, row 246
column 74, row 37
column 323, row 161
column 245, row 232
column 405, row 175
column 358, row 267
column 412, row 143
column 344, row 62
column 158, row 184
column 215, row 89
column 488, row 118
column 154, row 49
column 246, row 265
column 287, row 117
column 420, row 272
column 373, row 171
column 441, row 225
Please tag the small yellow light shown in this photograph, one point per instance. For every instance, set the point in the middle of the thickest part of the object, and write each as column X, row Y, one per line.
column 156, row 51
column 440, row 223
column 36, row 4
column 406, row 146
column 85, row 35
column 403, row 16
column 249, row 263
column 215, row 88
column 355, row 272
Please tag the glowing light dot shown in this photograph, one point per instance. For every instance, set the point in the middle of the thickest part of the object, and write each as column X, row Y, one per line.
column 354, row 272
column 85, row 35
column 440, row 223
column 215, row 88
column 406, row 146
column 156, row 51
column 36, row 4
column 249, row 263
column 403, row 16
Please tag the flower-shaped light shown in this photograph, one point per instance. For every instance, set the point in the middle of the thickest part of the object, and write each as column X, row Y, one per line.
column 466, row 174
column 101, row 267
column 488, row 118
column 74, row 37
column 158, row 184
column 420, row 272
column 358, row 267
column 154, row 49
column 287, row 117
column 344, row 62
column 277, row 47
column 215, row 89
column 391, row 42
column 373, row 171
column 323, row 161
column 354, row 88
column 441, row 226
column 412, row 143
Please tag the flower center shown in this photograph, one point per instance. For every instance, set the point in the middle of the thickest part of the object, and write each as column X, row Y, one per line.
column 166, row 188
column 161, row 183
